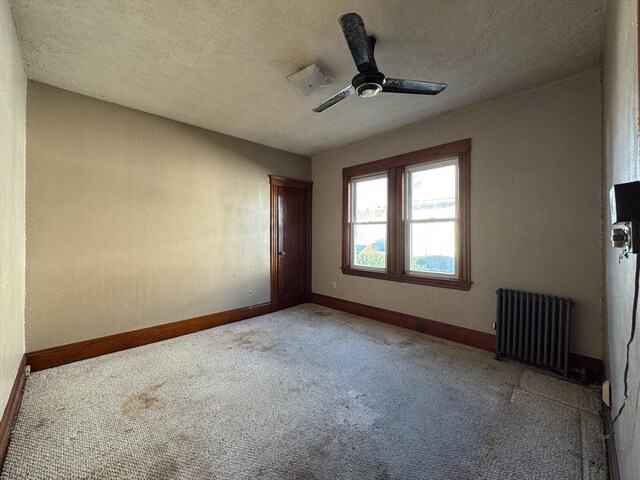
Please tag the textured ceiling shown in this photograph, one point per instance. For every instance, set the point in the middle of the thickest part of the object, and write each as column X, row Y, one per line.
column 222, row 64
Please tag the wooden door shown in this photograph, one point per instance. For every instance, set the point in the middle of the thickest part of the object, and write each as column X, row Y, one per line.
column 292, row 242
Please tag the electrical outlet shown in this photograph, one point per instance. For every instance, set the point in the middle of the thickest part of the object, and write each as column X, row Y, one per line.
column 335, row 285
column 27, row 370
column 606, row 393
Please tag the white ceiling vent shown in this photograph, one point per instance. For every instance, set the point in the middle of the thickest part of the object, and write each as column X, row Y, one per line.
column 310, row 79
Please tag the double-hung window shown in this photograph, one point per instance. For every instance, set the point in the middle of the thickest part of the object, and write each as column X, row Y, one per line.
column 406, row 218
column 431, row 219
column 369, row 222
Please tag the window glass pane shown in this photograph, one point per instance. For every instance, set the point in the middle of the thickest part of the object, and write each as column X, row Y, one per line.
column 370, row 245
column 433, row 193
column 370, row 200
column 432, row 247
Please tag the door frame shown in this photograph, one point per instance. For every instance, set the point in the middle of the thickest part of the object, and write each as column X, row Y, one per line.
column 276, row 181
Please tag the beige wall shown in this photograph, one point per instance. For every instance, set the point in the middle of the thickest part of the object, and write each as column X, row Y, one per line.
column 620, row 132
column 13, row 90
column 535, row 208
column 135, row 220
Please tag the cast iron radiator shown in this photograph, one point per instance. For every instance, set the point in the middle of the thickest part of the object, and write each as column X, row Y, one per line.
column 534, row 328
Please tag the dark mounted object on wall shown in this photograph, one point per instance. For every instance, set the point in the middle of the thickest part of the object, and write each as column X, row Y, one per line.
column 534, row 329
column 369, row 82
column 624, row 202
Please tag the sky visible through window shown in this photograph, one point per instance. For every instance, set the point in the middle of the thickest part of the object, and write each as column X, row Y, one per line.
column 431, row 216
column 371, row 200
column 370, row 241
column 433, row 197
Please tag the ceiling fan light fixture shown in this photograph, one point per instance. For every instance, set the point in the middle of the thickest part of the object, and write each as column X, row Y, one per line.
column 368, row 90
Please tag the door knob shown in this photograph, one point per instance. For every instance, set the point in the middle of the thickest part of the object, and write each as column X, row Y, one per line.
column 280, row 253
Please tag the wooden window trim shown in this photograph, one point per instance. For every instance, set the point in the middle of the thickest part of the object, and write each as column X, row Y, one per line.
column 394, row 167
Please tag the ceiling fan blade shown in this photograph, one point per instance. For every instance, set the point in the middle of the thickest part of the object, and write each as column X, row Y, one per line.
column 398, row 85
column 358, row 41
column 338, row 97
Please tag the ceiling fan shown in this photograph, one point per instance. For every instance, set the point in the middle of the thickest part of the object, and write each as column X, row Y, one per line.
column 370, row 81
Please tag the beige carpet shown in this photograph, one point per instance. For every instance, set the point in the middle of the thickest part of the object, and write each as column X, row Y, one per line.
column 305, row 393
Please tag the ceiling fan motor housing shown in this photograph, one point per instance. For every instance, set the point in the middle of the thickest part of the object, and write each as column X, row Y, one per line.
column 370, row 81
column 368, row 84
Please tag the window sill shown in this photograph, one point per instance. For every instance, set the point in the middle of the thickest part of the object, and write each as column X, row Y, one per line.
column 433, row 282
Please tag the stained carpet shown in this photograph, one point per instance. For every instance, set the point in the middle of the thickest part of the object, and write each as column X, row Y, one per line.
column 304, row 393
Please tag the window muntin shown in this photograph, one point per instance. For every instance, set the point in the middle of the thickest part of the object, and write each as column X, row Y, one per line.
column 369, row 216
column 432, row 219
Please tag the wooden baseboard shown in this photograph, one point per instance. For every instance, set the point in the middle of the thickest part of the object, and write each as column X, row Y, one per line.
column 583, row 368
column 465, row 336
column 11, row 410
column 55, row 356
column 610, row 442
